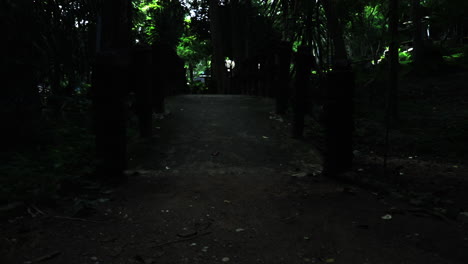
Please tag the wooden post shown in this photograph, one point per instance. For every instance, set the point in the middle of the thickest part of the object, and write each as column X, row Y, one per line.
column 282, row 86
column 338, row 121
column 143, row 86
column 160, row 75
column 304, row 61
column 338, row 109
column 110, row 82
column 109, row 91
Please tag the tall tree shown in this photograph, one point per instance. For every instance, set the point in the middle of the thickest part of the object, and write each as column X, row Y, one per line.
column 392, row 89
column 218, row 68
column 418, row 41
column 393, row 59
column 19, row 103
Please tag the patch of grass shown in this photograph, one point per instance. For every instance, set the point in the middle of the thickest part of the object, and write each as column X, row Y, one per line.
column 457, row 57
column 454, row 56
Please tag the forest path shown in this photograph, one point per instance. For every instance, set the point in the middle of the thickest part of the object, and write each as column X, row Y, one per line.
column 222, row 182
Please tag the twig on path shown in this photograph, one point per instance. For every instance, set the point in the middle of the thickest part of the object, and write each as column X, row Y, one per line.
column 183, row 239
column 430, row 213
column 77, row 219
column 38, row 210
column 45, row 257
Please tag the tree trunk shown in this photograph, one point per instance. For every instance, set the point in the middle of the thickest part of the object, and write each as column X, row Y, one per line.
column 335, row 29
column 19, row 100
column 393, row 61
column 418, row 42
column 218, row 68
column 391, row 114
column 190, row 68
column 338, row 109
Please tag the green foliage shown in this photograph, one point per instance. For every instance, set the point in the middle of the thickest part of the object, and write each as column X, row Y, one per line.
column 193, row 50
column 453, row 57
column 457, row 57
column 405, row 56
column 196, row 54
column 198, row 87
column 195, row 46
column 159, row 21
column 366, row 30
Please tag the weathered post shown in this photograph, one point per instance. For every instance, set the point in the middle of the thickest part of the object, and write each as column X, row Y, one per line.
column 109, row 91
column 143, row 89
column 338, row 121
column 160, row 76
column 283, row 62
column 304, row 62
column 110, row 79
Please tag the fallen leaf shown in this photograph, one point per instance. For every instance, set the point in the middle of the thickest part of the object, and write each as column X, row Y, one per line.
column 108, row 191
column 300, row 174
column 45, row 257
column 187, row 234
column 387, row 217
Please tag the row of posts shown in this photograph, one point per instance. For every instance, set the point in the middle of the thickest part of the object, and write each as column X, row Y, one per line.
column 115, row 75
column 119, row 70
column 336, row 90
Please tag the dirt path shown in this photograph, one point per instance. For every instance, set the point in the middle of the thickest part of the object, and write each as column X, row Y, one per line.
column 221, row 182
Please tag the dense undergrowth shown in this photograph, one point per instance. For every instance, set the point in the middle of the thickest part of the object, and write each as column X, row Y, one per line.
column 60, row 150
column 432, row 112
column 57, row 161
column 425, row 156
